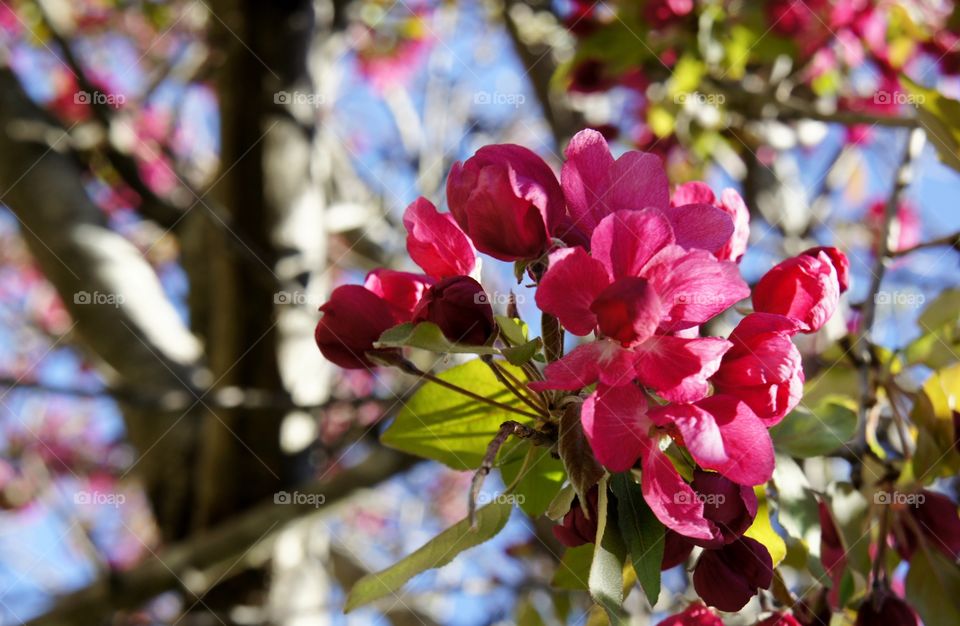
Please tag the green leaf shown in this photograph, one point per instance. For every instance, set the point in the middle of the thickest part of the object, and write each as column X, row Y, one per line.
column 804, row 434
column 518, row 355
column 933, row 416
column 561, row 504
column 541, row 478
column 933, row 586
column 606, row 570
column 513, row 329
column 939, row 116
column 574, row 569
column 440, row 424
column 797, row 509
column 576, row 454
column 436, row 553
column 641, row 531
column 427, row 336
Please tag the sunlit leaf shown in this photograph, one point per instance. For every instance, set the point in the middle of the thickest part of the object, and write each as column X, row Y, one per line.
column 436, row 553
column 805, row 433
column 642, row 533
column 762, row 530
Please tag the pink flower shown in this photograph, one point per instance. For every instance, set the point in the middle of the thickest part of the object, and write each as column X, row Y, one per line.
column 353, row 319
column 436, row 243
column 507, row 200
column 402, row 291
column 804, row 288
column 779, row 619
column 905, row 230
column 595, row 185
column 840, row 263
column 459, row 306
column 694, row 615
column 763, row 368
column 689, row 204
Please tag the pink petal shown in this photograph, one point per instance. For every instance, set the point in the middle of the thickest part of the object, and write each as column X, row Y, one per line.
column 671, row 499
column 603, row 361
column 723, row 434
column 694, row 192
column 701, row 226
column 677, row 368
column 805, row 288
column 567, row 290
column 435, row 241
column 628, row 311
column 595, row 185
column 616, row 425
column 626, row 241
column 732, row 203
column 401, row 290
column 694, row 286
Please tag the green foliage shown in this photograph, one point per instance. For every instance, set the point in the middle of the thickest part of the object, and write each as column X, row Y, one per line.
column 933, row 586
column 534, row 474
column 609, row 554
column 443, row 425
column 642, row 532
column 436, row 553
column 940, row 115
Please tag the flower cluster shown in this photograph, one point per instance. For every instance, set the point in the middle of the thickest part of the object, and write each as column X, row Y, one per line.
column 639, row 271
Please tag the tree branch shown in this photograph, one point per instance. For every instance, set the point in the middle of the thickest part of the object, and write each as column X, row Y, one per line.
column 170, row 568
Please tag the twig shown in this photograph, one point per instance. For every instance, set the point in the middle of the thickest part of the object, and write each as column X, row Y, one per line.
column 489, row 458
column 552, row 337
column 952, row 240
column 515, row 386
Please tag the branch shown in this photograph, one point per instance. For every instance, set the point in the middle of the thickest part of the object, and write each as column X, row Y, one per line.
column 952, row 240
column 172, row 566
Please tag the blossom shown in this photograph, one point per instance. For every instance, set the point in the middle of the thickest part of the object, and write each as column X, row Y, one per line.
column 436, row 243
column 727, row 577
column 694, row 615
column 507, row 200
column 353, row 319
column 693, row 196
column 459, row 306
column 804, row 288
column 763, row 367
column 401, row 291
column 779, row 619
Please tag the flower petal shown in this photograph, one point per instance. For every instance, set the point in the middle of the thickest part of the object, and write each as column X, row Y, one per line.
column 625, row 241
column 435, row 241
column 701, row 226
column 569, row 287
column 677, row 368
column 671, row 499
column 603, row 361
column 615, row 423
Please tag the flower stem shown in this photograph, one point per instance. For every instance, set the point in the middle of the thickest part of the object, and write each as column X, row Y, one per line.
column 552, row 337
column 408, row 367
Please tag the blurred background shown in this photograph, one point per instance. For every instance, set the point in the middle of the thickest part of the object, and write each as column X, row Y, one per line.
column 182, row 183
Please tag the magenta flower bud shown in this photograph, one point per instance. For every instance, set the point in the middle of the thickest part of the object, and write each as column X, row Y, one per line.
column 694, row 615
column 507, row 200
column 576, row 528
column 804, row 288
column 460, row 307
column 840, row 263
column 763, row 368
column 731, row 507
column 726, row 578
column 401, row 291
column 779, row 619
column 353, row 319
column 882, row 608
